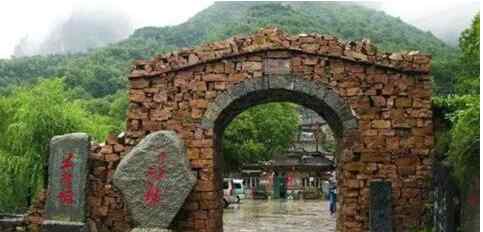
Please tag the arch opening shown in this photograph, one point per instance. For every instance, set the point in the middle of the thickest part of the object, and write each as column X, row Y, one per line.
column 319, row 99
column 260, row 97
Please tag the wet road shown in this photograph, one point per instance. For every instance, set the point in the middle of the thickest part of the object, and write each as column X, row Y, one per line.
column 279, row 216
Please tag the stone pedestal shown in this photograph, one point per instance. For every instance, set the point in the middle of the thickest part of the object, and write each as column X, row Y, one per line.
column 149, row 230
column 62, row 226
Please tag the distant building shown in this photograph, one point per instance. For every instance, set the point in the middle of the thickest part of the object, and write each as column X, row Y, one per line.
column 303, row 169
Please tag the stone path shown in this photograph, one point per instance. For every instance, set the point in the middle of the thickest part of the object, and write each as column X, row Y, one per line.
column 278, row 216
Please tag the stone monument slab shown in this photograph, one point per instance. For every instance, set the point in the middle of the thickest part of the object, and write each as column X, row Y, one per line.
column 155, row 178
column 380, row 206
column 66, row 198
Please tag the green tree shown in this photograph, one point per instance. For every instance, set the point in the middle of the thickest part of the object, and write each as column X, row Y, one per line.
column 461, row 140
column 464, row 149
column 469, row 75
column 31, row 116
column 118, row 108
column 259, row 133
column 465, row 132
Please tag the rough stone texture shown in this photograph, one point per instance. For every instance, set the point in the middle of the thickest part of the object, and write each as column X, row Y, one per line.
column 35, row 216
column 155, row 178
column 12, row 223
column 380, row 212
column 445, row 198
column 354, row 86
column 279, row 44
column 66, row 198
column 63, row 226
column 107, row 210
column 149, row 230
column 277, row 66
column 470, row 212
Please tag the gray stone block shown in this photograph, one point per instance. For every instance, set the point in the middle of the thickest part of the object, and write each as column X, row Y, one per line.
column 155, row 178
column 260, row 84
column 281, row 82
column 63, row 226
column 238, row 91
column 334, row 102
column 68, row 169
column 307, row 87
column 321, row 92
column 150, row 230
column 223, row 100
column 212, row 111
column 350, row 124
column 346, row 114
column 380, row 206
column 12, row 222
column 207, row 124
column 277, row 66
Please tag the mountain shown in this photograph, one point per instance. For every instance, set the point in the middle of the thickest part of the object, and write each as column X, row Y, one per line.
column 345, row 20
column 448, row 24
column 81, row 31
column 102, row 72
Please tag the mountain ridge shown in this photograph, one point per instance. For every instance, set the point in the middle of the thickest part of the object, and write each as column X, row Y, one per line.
column 102, row 72
column 247, row 14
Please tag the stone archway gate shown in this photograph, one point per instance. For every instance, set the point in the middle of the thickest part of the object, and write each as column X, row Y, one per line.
column 378, row 104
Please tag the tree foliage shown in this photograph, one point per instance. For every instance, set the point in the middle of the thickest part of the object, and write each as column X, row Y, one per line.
column 259, row 133
column 462, row 140
column 31, row 116
column 464, row 150
column 469, row 75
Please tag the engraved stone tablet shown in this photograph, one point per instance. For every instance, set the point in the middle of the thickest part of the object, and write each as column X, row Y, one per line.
column 277, row 66
column 155, row 178
column 66, row 197
column 380, row 209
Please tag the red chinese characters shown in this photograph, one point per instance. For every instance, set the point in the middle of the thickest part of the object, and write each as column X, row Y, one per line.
column 154, row 174
column 66, row 196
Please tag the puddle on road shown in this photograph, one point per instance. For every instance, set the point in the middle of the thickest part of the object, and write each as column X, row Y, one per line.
column 279, row 216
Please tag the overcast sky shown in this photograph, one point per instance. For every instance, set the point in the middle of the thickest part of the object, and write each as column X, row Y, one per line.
column 34, row 18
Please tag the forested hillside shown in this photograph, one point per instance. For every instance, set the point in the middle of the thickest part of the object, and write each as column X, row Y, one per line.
column 102, row 72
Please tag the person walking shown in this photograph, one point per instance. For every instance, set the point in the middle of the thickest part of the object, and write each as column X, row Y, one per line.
column 332, row 199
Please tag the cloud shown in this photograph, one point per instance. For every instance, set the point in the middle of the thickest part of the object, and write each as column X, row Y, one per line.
column 84, row 29
column 36, row 19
